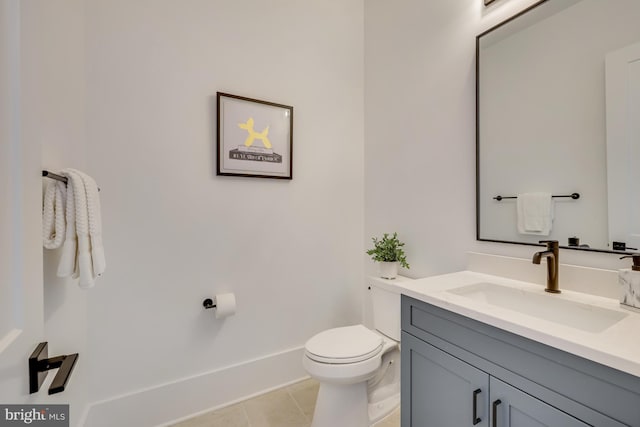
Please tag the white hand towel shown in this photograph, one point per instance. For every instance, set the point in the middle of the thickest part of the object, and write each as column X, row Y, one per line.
column 82, row 252
column 535, row 213
column 83, row 256
column 53, row 215
column 68, row 266
column 95, row 224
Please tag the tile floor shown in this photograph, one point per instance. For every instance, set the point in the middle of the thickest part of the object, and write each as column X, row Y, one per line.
column 290, row 406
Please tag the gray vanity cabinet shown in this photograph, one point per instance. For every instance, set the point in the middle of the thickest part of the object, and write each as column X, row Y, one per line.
column 447, row 392
column 458, row 372
column 514, row 408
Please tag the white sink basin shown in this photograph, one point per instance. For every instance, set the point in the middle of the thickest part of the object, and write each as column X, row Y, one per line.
column 544, row 306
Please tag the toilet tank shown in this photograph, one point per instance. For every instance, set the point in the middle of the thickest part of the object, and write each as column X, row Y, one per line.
column 385, row 301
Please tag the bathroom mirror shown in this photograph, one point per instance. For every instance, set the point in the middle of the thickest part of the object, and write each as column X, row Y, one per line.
column 543, row 123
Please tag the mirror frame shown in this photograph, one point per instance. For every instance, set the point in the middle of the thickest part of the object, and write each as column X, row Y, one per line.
column 478, row 238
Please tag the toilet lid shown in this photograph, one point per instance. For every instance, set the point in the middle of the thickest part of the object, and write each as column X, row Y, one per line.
column 348, row 344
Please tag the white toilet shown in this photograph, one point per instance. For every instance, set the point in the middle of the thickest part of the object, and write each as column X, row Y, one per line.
column 358, row 368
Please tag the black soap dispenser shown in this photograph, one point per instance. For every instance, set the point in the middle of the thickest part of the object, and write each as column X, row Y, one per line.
column 636, row 261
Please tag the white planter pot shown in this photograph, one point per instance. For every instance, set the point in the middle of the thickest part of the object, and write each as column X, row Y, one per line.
column 389, row 270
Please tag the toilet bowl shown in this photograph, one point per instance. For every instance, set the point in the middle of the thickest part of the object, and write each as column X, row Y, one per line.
column 358, row 368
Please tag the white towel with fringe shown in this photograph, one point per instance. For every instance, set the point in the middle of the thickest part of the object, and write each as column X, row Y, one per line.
column 82, row 251
column 53, row 214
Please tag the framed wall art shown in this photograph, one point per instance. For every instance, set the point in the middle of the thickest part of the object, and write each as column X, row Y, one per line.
column 255, row 138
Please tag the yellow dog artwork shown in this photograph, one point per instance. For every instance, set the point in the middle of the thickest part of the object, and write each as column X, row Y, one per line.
column 253, row 135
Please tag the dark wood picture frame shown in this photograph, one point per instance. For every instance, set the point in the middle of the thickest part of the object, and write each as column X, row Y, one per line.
column 254, row 137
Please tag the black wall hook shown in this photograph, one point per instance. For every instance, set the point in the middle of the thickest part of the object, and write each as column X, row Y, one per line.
column 40, row 364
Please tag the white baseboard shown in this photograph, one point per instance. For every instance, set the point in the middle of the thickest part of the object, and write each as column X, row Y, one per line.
column 172, row 402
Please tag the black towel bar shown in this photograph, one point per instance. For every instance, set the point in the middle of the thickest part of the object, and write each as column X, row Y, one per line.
column 55, row 176
column 574, row 196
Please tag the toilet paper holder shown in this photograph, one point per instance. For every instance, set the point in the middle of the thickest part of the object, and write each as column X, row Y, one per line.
column 224, row 304
column 208, row 303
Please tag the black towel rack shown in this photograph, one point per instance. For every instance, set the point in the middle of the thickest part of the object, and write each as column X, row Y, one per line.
column 55, row 176
column 574, row 196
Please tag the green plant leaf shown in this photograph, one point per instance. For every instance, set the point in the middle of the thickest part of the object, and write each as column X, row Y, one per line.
column 388, row 249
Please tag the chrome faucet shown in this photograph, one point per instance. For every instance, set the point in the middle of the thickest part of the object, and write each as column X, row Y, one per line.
column 551, row 254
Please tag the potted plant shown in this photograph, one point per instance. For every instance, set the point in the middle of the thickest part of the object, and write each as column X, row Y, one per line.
column 389, row 253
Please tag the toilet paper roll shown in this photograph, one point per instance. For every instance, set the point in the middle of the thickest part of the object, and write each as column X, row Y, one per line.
column 225, row 305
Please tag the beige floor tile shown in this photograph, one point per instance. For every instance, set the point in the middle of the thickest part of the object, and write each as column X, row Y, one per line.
column 275, row 409
column 232, row 416
column 392, row 420
column 305, row 394
column 291, row 406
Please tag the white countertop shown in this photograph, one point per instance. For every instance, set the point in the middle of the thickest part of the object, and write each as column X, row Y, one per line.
column 617, row 346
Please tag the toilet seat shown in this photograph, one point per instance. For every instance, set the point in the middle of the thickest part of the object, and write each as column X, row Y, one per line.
column 357, row 368
column 349, row 344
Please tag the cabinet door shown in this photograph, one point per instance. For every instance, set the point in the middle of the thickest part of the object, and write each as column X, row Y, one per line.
column 511, row 407
column 441, row 390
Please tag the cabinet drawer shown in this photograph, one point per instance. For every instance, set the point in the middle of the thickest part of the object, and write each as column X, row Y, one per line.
column 574, row 384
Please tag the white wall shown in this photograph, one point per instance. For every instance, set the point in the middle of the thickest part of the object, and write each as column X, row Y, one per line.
column 8, row 84
column 419, row 128
column 175, row 233
column 54, row 101
column 420, row 131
